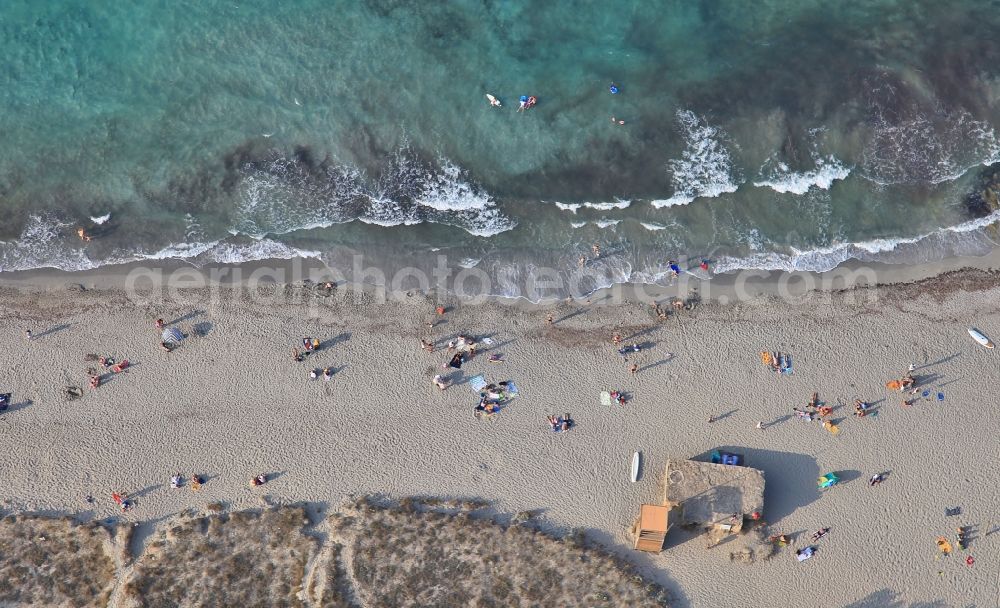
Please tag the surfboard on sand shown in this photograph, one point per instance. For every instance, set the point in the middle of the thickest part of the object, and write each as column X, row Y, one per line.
column 978, row 336
column 493, row 100
column 635, row 467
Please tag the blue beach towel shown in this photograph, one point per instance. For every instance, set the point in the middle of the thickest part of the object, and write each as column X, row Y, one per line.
column 477, row 383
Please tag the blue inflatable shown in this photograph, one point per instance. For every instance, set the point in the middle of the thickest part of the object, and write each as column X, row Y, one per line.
column 524, row 98
column 614, row 90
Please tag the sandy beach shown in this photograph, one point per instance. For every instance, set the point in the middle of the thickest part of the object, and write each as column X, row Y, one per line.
column 230, row 402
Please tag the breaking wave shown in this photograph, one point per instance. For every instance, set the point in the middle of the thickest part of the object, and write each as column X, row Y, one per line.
column 962, row 239
column 283, row 196
column 785, row 181
column 705, row 168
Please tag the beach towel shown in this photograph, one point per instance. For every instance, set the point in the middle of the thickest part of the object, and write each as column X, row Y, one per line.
column 804, row 554
column 833, row 428
column 488, row 341
column 605, row 398
column 511, row 390
column 477, row 383
column 765, row 357
column 893, row 385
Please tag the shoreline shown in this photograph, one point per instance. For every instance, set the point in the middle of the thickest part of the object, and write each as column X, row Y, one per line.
column 723, row 288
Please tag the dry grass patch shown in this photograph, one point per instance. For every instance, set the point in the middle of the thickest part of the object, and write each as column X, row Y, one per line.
column 241, row 559
column 48, row 561
column 402, row 558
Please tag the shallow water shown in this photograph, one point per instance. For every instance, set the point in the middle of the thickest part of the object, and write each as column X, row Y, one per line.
column 774, row 134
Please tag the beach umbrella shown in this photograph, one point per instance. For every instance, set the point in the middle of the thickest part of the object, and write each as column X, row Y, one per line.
column 172, row 334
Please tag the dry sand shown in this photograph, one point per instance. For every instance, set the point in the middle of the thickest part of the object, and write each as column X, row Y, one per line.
column 231, row 403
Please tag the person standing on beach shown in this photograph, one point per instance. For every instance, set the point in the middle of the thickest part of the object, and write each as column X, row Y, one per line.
column 159, row 324
column 634, row 369
column 27, row 334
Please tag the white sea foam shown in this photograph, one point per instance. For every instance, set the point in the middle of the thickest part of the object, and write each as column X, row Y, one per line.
column 469, row 262
column 601, row 223
column 180, row 251
column 781, row 179
column 100, row 219
column 571, row 207
column 705, row 168
column 266, row 249
column 44, row 242
column 653, row 227
column 618, row 204
column 822, row 259
column 281, row 197
column 927, row 146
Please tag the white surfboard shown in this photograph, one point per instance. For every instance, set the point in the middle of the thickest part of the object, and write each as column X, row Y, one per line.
column 979, row 337
column 635, row 467
column 493, row 100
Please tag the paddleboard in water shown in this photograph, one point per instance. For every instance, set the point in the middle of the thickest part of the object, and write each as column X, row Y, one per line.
column 493, row 100
column 635, row 467
column 979, row 337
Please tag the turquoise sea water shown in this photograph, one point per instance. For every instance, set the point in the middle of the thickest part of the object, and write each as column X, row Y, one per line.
column 778, row 134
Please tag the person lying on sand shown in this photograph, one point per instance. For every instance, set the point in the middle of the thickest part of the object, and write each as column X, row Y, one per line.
column 259, row 480
column 175, row 481
column 440, row 382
